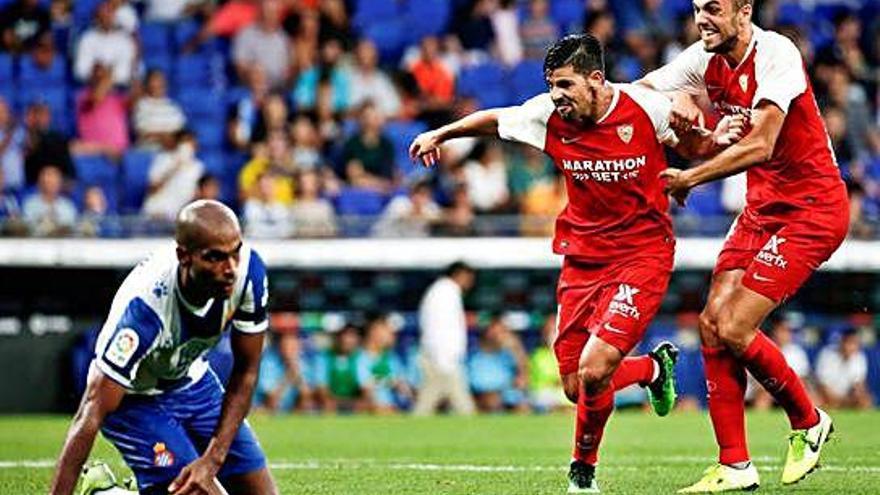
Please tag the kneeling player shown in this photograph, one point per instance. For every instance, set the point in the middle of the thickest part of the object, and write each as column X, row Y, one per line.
column 151, row 392
column 615, row 233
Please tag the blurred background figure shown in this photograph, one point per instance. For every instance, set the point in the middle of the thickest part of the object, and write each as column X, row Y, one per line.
column 443, row 328
column 46, row 211
column 497, row 370
column 412, row 215
column 173, row 176
column 286, row 379
column 841, row 372
column 782, row 334
column 545, row 384
column 381, row 374
column 336, row 375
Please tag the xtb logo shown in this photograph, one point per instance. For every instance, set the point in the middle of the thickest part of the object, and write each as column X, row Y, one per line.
column 773, row 244
column 625, row 294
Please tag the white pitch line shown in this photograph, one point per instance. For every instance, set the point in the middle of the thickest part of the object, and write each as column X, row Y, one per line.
column 420, row 466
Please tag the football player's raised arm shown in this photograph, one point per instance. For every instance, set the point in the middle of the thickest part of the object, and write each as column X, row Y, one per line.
column 426, row 146
column 102, row 396
column 698, row 142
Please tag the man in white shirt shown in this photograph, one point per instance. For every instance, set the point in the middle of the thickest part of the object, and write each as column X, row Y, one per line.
column 105, row 44
column 444, row 343
column 841, row 372
column 174, row 175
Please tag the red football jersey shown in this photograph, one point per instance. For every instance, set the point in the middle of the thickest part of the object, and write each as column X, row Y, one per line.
column 802, row 171
column 616, row 204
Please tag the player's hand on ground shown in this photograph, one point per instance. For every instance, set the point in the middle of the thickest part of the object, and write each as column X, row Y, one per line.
column 685, row 113
column 729, row 130
column 198, row 478
column 677, row 185
column 426, row 148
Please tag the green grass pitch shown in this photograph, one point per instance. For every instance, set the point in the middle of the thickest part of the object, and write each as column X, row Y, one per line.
column 485, row 455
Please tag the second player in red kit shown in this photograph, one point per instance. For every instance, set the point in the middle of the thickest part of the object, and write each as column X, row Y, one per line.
column 615, row 233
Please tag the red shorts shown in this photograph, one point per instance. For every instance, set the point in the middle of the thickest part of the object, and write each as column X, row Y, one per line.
column 614, row 301
column 779, row 257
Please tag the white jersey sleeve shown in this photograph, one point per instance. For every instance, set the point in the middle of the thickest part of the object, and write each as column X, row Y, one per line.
column 527, row 123
column 251, row 315
column 684, row 73
column 658, row 108
column 779, row 71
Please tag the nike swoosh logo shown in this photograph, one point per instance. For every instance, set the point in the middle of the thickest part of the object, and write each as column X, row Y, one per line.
column 566, row 140
column 613, row 330
column 814, row 446
column 760, row 278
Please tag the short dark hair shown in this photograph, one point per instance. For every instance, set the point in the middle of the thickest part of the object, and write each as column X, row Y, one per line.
column 582, row 51
column 458, row 266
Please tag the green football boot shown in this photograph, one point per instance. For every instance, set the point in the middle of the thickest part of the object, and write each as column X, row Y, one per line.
column 96, row 476
column 662, row 390
column 804, row 447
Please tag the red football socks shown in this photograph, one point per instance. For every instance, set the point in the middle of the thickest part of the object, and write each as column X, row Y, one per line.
column 767, row 364
column 633, row 370
column 726, row 382
column 592, row 414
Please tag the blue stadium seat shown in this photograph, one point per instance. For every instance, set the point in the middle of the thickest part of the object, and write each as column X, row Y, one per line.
column 155, row 37
column 94, row 169
column 705, row 200
column 426, row 17
column 84, row 11
column 527, row 80
column 567, row 13
column 135, row 179
column 211, row 133
column 390, row 39
column 201, row 104
column 32, row 75
column 193, row 71
column 401, row 134
column 214, row 162
column 368, row 12
column 55, row 97
column 7, row 66
column 358, row 201
column 476, row 78
column 185, row 31
column 160, row 61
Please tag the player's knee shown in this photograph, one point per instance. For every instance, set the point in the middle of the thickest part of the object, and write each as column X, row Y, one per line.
column 733, row 332
column 571, row 392
column 593, row 378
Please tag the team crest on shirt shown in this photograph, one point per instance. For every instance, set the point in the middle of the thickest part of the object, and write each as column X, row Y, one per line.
column 744, row 82
column 122, row 347
column 625, row 132
column 162, row 457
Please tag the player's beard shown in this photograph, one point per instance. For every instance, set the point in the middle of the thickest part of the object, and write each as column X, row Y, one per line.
column 725, row 46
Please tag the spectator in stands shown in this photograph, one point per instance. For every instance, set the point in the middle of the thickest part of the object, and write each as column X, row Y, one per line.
column 458, row 218
column 505, row 25
column 528, row 167
column 444, row 343
column 175, row 10
column 10, row 211
column 21, row 24
column 846, row 48
column 12, row 144
column 435, row 82
column 474, row 26
column 44, row 55
column 541, row 205
column 244, row 113
column 94, row 221
column 329, row 73
column 173, row 176
column 227, row 20
column 306, row 144
column 106, row 45
column 783, row 335
column 264, row 216
column 841, row 372
column 125, row 17
column 336, row 377
column 273, row 117
column 264, row 43
column 277, row 160
column 334, row 24
column 305, row 34
column 545, row 384
column 101, row 117
column 409, row 216
column 44, row 145
column 46, row 211
column 369, row 154
column 835, row 123
column 312, row 215
column 369, row 83
column 850, row 96
column 859, row 227
column 381, row 374
column 485, row 174
column 208, row 187
column 155, row 114
column 538, row 31
column 285, row 379
column 497, row 375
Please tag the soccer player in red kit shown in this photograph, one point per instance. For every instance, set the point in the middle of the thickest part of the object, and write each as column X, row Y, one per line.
column 615, row 233
column 796, row 216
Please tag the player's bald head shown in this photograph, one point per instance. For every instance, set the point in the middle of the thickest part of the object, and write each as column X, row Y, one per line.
column 206, row 222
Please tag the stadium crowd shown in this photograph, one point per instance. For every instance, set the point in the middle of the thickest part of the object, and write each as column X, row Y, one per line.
column 115, row 113
column 372, row 365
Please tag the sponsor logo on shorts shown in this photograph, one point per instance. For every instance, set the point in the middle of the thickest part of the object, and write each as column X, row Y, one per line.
column 613, row 329
column 162, row 457
column 623, row 303
column 769, row 254
column 122, row 347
